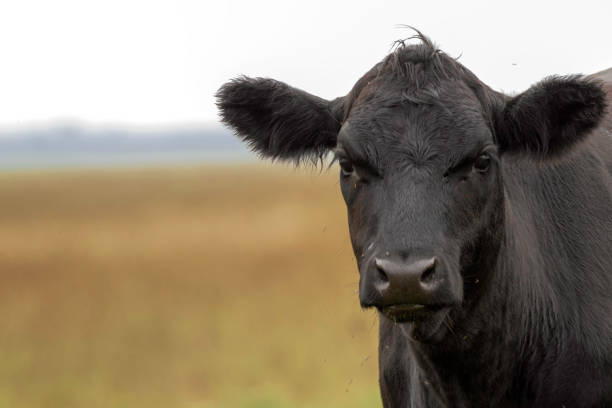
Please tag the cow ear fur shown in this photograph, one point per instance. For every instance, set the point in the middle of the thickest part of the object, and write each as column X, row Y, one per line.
column 551, row 116
column 279, row 121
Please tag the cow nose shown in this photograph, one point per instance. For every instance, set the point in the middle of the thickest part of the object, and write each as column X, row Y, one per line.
column 406, row 283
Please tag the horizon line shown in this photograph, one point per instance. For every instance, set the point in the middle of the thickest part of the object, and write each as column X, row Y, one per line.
column 74, row 122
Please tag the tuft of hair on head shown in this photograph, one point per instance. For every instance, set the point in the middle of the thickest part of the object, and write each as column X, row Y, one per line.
column 425, row 41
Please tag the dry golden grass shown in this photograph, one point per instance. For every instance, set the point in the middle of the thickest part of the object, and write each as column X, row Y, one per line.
column 223, row 286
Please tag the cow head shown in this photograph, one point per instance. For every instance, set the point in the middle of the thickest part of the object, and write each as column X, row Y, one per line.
column 420, row 142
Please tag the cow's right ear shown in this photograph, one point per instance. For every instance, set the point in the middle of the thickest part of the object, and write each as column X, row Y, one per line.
column 279, row 121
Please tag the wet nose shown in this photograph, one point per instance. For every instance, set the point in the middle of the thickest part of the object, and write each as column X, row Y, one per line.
column 392, row 282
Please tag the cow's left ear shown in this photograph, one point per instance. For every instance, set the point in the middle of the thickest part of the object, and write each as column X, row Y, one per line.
column 549, row 118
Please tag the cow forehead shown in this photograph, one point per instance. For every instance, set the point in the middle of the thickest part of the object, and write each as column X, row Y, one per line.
column 444, row 123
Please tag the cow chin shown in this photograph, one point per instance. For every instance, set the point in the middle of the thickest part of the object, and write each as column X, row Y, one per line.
column 429, row 327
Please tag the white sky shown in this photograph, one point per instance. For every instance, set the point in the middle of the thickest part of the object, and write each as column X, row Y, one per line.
column 160, row 62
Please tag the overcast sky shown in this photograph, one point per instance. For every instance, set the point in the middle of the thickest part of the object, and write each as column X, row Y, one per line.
column 160, row 62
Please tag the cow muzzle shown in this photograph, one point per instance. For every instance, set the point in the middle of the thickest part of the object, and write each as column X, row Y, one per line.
column 408, row 290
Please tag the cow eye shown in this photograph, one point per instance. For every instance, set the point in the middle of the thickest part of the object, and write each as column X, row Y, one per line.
column 346, row 167
column 482, row 163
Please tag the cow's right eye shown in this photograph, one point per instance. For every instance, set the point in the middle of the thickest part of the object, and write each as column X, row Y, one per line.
column 346, row 167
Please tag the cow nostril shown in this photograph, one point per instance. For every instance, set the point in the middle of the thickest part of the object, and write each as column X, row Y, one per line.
column 382, row 275
column 428, row 274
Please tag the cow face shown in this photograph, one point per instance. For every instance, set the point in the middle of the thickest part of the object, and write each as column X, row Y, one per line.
column 420, row 142
column 421, row 179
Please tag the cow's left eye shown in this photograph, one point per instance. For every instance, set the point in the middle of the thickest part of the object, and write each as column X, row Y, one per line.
column 346, row 167
column 482, row 163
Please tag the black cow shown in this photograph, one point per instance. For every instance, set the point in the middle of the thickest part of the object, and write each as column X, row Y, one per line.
column 481, row 223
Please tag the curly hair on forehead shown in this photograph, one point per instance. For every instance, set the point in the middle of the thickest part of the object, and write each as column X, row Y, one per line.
column 417, row 69
column 421, row 64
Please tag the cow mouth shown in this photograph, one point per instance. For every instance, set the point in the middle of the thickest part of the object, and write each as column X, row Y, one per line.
column 401, row 313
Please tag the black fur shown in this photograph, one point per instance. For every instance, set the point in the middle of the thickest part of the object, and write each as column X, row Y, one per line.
column 436, row 165
column 551, row 116
column 279, row 121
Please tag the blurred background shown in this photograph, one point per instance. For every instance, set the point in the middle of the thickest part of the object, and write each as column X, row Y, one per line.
column 147, row 259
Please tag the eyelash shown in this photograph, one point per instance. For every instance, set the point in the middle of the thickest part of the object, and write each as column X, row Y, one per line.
column 470, row 163
column 346, row 167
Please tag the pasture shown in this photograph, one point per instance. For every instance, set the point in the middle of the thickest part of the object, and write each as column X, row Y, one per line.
column 219, row 286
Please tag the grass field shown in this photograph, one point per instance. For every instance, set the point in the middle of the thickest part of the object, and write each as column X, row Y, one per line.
column 222, row 286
